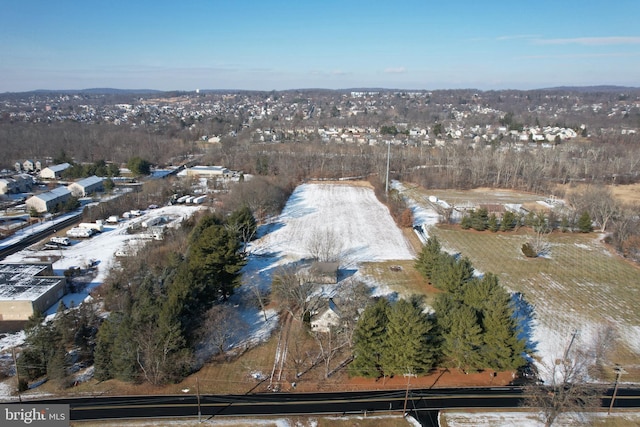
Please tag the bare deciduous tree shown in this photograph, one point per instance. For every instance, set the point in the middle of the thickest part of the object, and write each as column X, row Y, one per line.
column 295, row 292
column 261, row 298
column 221, row 324
column 330, row 343
column 324, row 245
column 567, row 392
column 598, row 201
column 605, row 339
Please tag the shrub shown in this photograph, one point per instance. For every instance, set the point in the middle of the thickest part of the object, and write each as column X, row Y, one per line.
column 528, row 251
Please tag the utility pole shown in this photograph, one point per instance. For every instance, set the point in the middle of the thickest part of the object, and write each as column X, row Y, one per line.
column 619, row 371
column 386, row 187
column 15, row 364
column 566, row 352
column 408, row 375
column 198, row 397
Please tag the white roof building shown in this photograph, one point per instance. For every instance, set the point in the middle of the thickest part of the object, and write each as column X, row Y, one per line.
column 54, row 171
column 46, row 202
column 26, row 288
column 206, row 171
column 86, row 186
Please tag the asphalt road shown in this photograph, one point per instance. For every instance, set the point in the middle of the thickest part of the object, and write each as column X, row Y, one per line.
column 419, row 401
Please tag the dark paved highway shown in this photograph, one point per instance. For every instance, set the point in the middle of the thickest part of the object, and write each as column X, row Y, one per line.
column 419, row 401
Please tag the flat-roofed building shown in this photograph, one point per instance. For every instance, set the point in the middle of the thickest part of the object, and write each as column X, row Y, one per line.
column 208, row 171
column 27, row 288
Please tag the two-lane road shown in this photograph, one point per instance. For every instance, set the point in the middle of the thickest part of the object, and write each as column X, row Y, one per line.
column 131, row 407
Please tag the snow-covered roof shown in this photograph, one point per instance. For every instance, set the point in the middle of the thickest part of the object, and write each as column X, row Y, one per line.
column 59, row 168
column 22, row 282
column 88, row 182
column 53, row 194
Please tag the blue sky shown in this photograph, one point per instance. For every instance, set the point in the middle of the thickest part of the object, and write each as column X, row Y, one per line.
column 275, row 44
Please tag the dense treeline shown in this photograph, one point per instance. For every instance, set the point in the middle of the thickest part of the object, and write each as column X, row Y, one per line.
column 87, row 142
column 156, row 313
column 60, row 346
column 157, row 302
column 472, row 327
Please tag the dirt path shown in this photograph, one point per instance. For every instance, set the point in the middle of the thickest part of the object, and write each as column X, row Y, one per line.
column 275, row 381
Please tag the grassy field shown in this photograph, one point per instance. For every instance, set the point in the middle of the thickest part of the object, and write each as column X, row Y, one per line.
column 581, row 286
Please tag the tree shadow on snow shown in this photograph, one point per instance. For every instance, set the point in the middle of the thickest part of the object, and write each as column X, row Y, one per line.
column 524, row 314
column 268, row 228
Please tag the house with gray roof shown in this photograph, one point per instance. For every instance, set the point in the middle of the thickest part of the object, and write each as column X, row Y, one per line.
column 86, row 186
column 54, row 171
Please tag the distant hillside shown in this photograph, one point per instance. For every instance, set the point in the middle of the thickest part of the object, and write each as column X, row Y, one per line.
column 589, row 89
column 93, row 91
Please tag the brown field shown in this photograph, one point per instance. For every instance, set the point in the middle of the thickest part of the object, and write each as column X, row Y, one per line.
column 627, row 194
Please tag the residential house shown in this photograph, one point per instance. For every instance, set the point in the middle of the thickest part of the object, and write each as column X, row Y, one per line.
column 20, row 183
column 29, row 165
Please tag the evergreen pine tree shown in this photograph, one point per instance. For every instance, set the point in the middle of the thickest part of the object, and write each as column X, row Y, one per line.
column 368, row 340
column 428, row 257
column 462, row 343
column 102, row 356
column 408, row 346
column 243, row 223
column 492, row 223
column 57, row 367
column 585, row 223
column 451, row 273
column 123, row 351
column 508, row 222
column 215, row 261
column 465, row 222
column 479, row 219
column 502, row 349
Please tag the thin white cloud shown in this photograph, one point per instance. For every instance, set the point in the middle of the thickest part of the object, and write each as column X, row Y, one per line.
column 582, row 55
column 590, row 41
column 396, row 70
column 518, row 36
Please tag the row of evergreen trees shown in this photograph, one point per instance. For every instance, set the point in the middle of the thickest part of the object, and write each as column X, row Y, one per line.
column 45, row 348
column 155, row 313
column 472, row 327
column 481, row 220
column 152, row 334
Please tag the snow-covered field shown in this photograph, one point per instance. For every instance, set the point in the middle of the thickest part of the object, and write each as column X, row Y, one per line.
column 351, row 213
column 524, row 419
column 361, row 224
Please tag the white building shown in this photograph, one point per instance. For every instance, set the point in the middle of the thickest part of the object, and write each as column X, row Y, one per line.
column 207, row 171
column 53, row 171
column 46, row 202
column 86, row 186
column 26, row 288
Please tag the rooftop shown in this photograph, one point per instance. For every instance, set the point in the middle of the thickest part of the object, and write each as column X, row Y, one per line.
column 20, row 282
